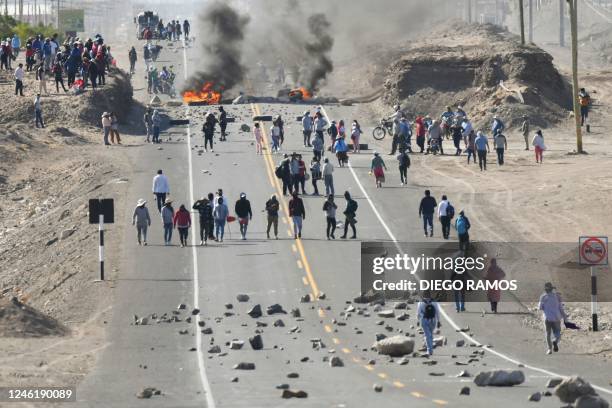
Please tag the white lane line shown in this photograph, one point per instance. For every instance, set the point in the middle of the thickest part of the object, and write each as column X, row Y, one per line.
column 210, row 402
column 442, row 312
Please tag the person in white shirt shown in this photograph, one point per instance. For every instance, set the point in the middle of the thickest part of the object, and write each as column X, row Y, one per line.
column 328, row 177
column 161, row 188
column 19, row 80
column 444, row 217
column 538, row 143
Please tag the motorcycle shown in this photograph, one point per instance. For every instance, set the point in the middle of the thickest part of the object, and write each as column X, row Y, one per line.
column 380, row 131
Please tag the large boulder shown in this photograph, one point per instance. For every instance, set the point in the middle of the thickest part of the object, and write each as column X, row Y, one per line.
column 395, row 346
column 499, row 378
column 591, row 401
column 572, row 388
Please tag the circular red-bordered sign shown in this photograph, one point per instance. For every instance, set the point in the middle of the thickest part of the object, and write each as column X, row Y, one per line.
column 593, row 251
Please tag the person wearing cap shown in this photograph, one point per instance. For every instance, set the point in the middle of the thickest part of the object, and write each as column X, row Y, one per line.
column 19, row 75
column 298, row 214
column 283, row 171
column 205, row 208
column 525, row 131
column 161, row 188
column 501, row 144
column 182, row 222
column 167, row 216
column 428, row 317
column 142, row 220
column 317, row 144
column 462, row 225
column 307, row 124
column 332, row 131
column 329, row 207
column 244, row 214
column 498, row 125
column 377, row 167
column 272, row 207
column 553, row 312
column 220, row 213
column 482, row 147
column 106, row 126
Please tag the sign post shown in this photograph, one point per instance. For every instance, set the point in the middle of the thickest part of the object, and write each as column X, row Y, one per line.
column 593, row 251
column 101, row 211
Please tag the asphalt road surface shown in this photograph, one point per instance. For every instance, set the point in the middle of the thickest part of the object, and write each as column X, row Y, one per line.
column 156, row 278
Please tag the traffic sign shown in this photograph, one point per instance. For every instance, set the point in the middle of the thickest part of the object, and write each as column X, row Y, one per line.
column 593, row 251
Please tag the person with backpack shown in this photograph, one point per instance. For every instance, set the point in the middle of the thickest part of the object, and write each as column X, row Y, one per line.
column 220, row 213
column 204, row 207
column 341, row 149
column 332, row 131
column 585, row 101
column 426, row 210
column 462, row 225
column 446, row 212
column 315, row 174
column 428, row 312
column 244, row 214
column 272, row 207
column 330, row 215
column 404, row 163
column 298, row 214
column 328, row 176
column 553, row 312
column 167, row 216
column 182, row 221
column 283, row 172
column 350, row 213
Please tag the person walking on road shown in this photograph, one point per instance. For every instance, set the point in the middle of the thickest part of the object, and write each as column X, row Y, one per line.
column 142, row 220
column 133, row 57
column 350, row 214
column 356, row 135
column 19, row 75
column 426, row 210
column 182, row 221
column 470, row 146
column 404, row 163
column 220, row 214
column 275, row 134
column 297, row 213
column 307, row 125
column 459, row 291
column 501, row 144
column 494, row 274
column 428, row 312
column 161, row 188
column 330, row 214
column 244, row 214
column 497, row 126
column 272, row 207
column 584, row 99
column 223, row 123
column 320, row 124
column 167, row 216
column 38, row 117
column 315, row 174
column 553, row 312
column 538, row 143
column 446, row 212
column 283, row 172
column 204, row 207
column 525, row 131
column 114, row 132
column 377, row 167
column 156, row 120
column 462, row 225
column 41, row 77
column 328, row 176
column 209, row 130
column 148, row 122
column 482, row 147
column 317, row 146
column 258, row 138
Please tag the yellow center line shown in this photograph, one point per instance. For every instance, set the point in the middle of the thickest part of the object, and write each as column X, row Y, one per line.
column 440, row 402
column 299, row 264
column 398, row 384
column 321, row 311
column 327, row 328
column 346, row 351
column 293, row 247
column 305, row 281
column 335, row 340
column 381, row 375
column 368, row 367
column 275, row 182
column 355, row 360
column 417, row 394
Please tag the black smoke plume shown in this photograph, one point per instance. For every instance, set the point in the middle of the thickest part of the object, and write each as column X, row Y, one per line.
column 222, row 32
column 319, row 63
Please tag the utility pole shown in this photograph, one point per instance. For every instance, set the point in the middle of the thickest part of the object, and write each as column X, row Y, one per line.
column 522, row 21
column 6, row 7
column 573, row 10
column 561, row 24
column 530, row 21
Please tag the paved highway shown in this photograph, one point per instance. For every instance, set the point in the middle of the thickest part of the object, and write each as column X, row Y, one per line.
column 155, row 279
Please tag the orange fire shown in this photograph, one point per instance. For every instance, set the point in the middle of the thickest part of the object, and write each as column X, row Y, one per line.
column 305, row 94
column 206, row 95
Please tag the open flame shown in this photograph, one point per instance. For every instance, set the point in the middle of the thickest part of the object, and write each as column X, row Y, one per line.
column 207, row 95
column 300, row 93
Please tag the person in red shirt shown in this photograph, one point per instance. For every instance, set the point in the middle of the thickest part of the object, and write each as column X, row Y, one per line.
column 297, row 213
column 182, row 221
column 301, row 176
column 420, row 132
